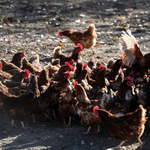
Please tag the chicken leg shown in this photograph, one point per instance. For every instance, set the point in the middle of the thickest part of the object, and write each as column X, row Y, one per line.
column 12, row 124
column 88, row 131
column 120, row 145
column 22, row 124
column 64, row 121
column 54, row 114
column 33, row 117
column 141, row 143
column 98, row 131
column 93, row 50
column 69, row 122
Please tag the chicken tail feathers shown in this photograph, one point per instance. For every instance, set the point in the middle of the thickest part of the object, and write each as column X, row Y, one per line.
column 127, row 41
column 130, row 47
column 57, row 52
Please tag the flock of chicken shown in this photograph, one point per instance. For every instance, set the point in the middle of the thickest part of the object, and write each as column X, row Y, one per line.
column 116, row 95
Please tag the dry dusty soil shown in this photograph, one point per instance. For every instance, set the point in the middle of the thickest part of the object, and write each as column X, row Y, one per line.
column 32, row 26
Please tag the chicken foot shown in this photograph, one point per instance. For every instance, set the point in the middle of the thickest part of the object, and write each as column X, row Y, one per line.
column 141, row 143
column 46, row 116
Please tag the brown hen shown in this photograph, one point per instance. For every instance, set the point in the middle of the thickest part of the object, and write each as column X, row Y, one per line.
column 86, row 38
column 127, row 127
column 76, row 55
column 17, row 58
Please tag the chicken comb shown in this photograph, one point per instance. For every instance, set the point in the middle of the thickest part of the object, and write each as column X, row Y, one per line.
column 73, row 61
column 0, row 64
column 85, row 65
column 27, row 71
column 95, row 108
column 81, row 47
column 75, row 83
column 23, row 52
column 101, row 66
column 72, row 68
column 59, row 33
column 68, row 73
column 129, row 78
column 66, row 63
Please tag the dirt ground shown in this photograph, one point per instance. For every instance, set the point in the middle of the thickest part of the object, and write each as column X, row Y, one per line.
column 32, row 26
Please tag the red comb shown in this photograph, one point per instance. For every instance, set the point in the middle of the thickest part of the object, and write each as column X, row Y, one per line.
column 66, row 63
column 80, row 45
column 27, row 71
column 23, row 52
column 75, row 83
column 129, row 77
column 95, row 108
column 0, row 64
column 68, row 73
column 101, row 66
column 96, row 113
column 85, row 65
column 59, row 33
column 72, row 68
column 72, row 61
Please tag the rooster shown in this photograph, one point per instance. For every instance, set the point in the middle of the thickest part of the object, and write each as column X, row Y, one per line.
column 17, row 58
column 126, row 127
column 76, row 55
column 86, row 38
